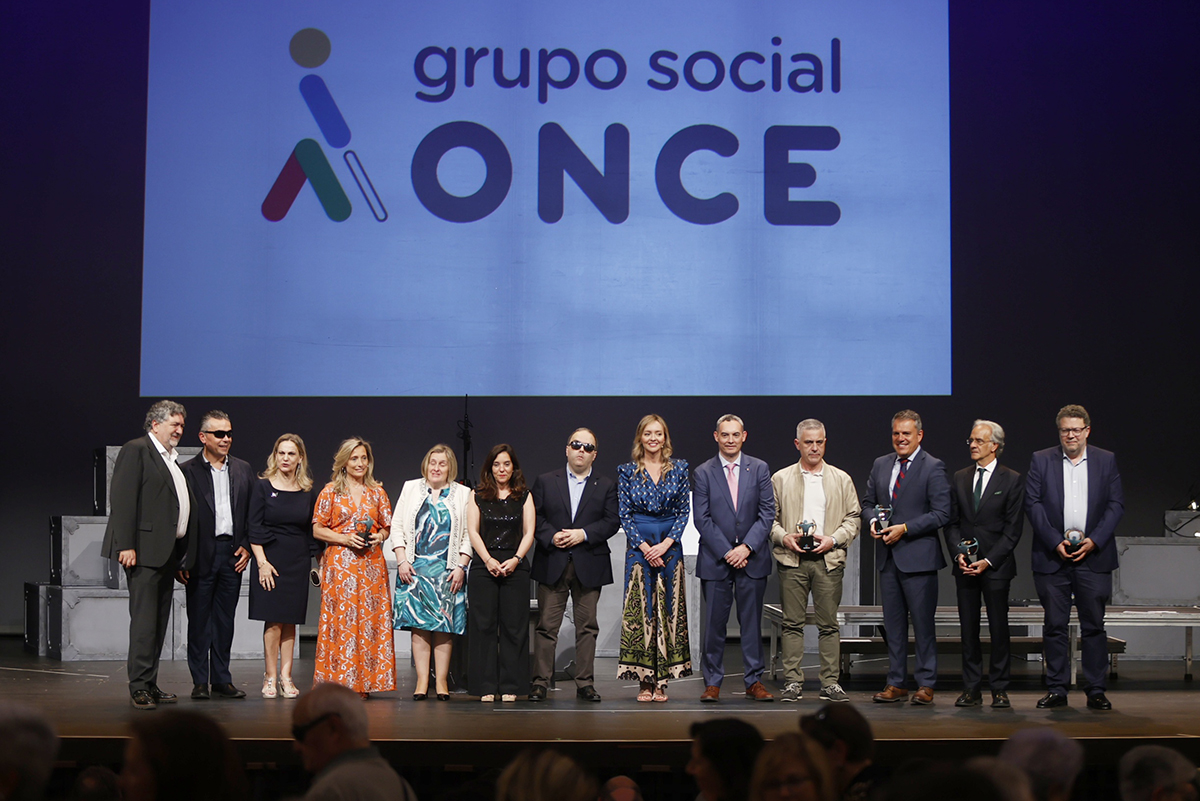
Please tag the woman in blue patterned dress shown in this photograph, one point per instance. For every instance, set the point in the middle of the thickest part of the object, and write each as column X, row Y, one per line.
column 654, row 498
column 429, row 537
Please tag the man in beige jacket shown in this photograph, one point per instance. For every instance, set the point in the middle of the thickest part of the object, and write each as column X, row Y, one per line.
column 822, row 496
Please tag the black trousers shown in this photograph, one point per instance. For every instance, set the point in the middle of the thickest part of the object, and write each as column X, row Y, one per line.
column 498, row 629
column 1091, row 592
column 973, row 591
column 149, row 615
column 212, row 601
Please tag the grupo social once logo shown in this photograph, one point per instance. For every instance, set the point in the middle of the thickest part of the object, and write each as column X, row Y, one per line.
column 310, row 48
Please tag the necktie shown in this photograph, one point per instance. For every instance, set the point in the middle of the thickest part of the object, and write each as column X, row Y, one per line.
column 732, row 483
column 978, row 487
column 899, row 478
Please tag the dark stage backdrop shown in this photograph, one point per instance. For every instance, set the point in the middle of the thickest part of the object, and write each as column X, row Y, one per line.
column 1076, row 242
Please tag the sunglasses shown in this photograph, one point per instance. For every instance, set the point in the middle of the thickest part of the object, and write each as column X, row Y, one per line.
column 220, row 434
column 586, row 447
column 301, row 730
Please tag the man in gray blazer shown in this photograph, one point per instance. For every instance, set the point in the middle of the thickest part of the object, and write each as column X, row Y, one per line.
column 151, row 532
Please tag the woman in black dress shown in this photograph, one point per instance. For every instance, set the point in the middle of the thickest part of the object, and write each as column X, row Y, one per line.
column 500, row 519
column 281, row 510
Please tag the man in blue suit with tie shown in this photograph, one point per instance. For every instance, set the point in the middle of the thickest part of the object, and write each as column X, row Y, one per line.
column 908, row 553
column 734, row 505
column 1074, row 488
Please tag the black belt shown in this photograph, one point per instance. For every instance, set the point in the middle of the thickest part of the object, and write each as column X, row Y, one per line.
column 224, row 538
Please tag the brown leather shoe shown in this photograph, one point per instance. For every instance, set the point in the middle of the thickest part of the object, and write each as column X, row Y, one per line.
column 923, row 696
column 711, row 695
column 890, row 695
column 757, row 692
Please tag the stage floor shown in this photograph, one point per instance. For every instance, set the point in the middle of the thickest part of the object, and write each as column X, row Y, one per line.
column 88, row 702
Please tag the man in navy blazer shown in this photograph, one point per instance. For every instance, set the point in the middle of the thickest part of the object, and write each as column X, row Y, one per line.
column 1074, row 488
column 576, row 515
column 908, row 553
column 151, row 532
column 734, row 506
column 221, row 484
column 986, row 506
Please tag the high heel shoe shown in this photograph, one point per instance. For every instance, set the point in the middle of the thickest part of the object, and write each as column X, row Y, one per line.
column 420, row 696
column 443, row 696
column 268, row 690
column 287, row 689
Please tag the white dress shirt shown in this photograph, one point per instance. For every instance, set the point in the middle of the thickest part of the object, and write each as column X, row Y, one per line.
column 181, row 491
column 1075, row 493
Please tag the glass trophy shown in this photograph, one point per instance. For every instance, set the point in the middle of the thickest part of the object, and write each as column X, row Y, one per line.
column 969, row 548
column 883, row 517
column 806, row 528
column 362, row 527
column 1074, row 539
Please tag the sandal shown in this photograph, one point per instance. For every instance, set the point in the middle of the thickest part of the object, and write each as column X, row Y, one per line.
column 287, row 689
column 507, row 698
column 487, row 699
column 645, row 695
column 660, row 695
column 268, row 690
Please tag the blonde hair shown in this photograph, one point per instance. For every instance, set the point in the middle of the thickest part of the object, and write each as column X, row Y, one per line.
column 791, row 749
column 638, row 454
column 342, row 458
column 303, row 474
column 545, row 776
column 452, row 466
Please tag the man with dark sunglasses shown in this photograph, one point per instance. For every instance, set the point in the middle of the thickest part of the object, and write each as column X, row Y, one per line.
column 576, row 516
column 221, row 484
column 331, row 732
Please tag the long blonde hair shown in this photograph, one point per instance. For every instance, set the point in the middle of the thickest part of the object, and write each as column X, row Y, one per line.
column 303, row 474
column 638, row 454
column 342, row 458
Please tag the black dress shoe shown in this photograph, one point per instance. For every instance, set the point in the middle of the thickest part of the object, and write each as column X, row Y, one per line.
column 227, row 691
column 161, row 697
column 141, row 699
column 1051, row 700
column 537, row 693
column 1000, row 700
column 969, row 698
column 200, row 692
column 587, row 693
column 443, row 696
column 1099, row 701
column 420, row 696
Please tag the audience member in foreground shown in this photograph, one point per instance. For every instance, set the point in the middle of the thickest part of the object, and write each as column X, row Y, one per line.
column 27, row 757
column 329, row 725
column 1155, row 773
column 545, row 776
column 96, row 783
column 1050, row 759
column 923, row 780
column 849, row 746
column 181, row 756
column 793, row 765
column 620, row 788
column 724, row 751
column 1014, row 785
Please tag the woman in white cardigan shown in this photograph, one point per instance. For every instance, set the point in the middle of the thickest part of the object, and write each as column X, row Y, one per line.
column 429, row 537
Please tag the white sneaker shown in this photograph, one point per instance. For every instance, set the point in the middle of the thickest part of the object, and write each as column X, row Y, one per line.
column 834, row 692
column 792, row 691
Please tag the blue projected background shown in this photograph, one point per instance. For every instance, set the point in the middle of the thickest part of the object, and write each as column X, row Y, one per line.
column 659, row 198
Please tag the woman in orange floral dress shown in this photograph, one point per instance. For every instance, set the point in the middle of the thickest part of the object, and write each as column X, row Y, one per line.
column 353, row 516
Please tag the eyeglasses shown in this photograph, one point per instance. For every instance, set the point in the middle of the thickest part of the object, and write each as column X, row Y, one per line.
column 977, row 441
column 220, row 434
column 301, row 730
column 1067, row 432
column 586, row 447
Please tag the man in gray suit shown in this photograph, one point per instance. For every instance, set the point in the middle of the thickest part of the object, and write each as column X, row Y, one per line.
column 151, row 532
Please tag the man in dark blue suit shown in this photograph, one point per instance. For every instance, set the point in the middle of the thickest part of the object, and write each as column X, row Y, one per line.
column 908, row 553
column 221, row 484
column 577, row 514
column 734, row 505
column 1074, row 488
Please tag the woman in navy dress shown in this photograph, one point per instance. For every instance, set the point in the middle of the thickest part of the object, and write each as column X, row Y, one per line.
column 281, row 506
column 429, row 537
column 655, row 500
column 500, row 519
